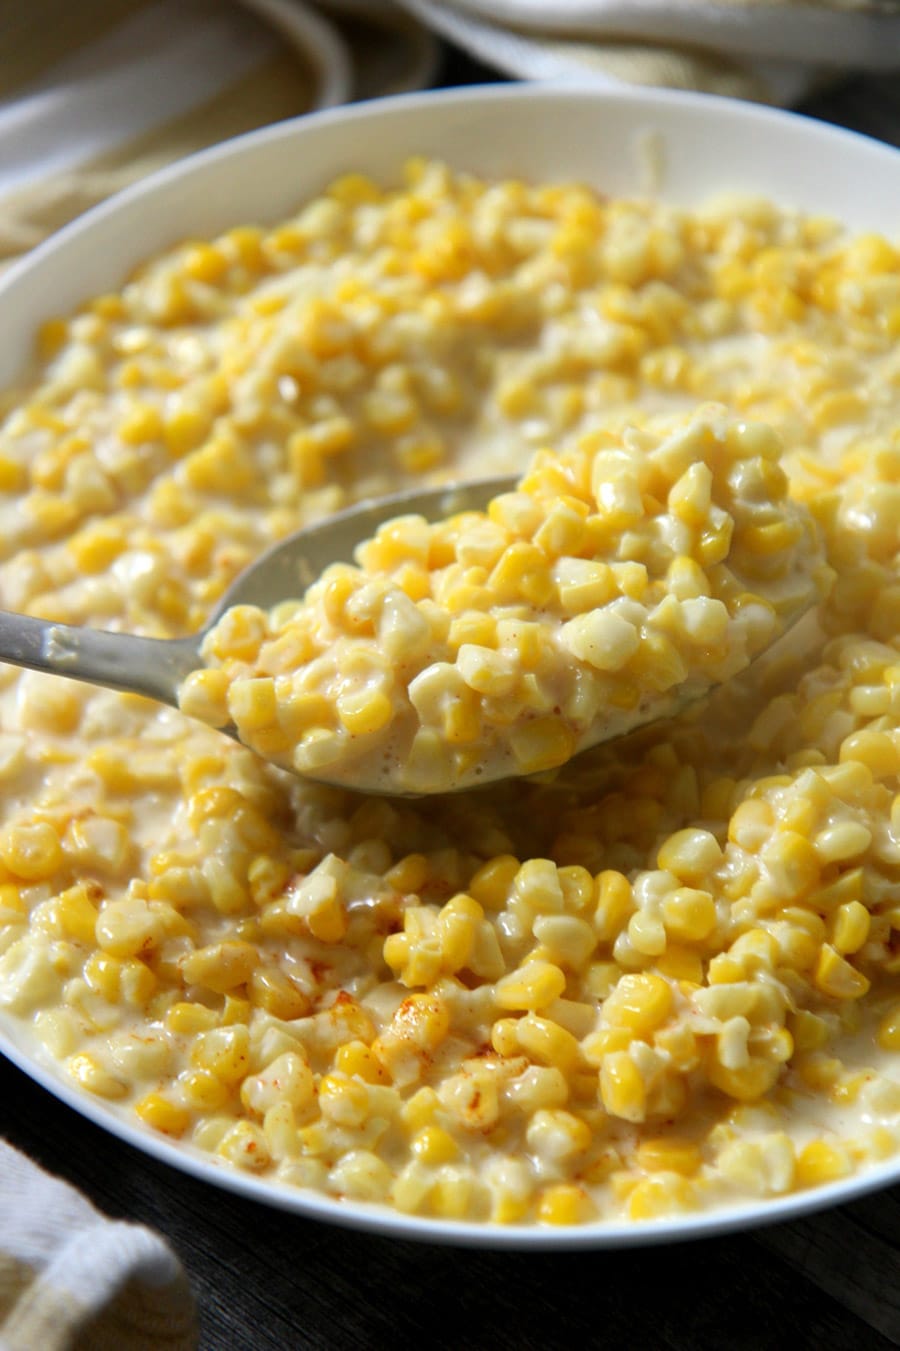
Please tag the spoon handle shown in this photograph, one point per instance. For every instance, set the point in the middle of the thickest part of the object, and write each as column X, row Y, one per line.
column 154, row 667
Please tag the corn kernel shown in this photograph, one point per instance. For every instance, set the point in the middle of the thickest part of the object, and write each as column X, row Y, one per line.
column 622, row 1088
column 533, row 986
column 821, row 1162
column 564, row 1204
column 162, row 1114
column 836, row 977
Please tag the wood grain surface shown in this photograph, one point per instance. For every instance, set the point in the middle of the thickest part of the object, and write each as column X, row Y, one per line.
column 265, row 1281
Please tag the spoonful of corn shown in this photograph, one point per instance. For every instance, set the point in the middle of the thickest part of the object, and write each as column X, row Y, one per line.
column 492, row 629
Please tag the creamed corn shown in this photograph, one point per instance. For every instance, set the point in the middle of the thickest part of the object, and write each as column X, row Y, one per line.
column 661, row 978
column 618, row 579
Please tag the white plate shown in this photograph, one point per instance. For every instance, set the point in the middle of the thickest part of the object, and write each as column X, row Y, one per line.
column 702, row 145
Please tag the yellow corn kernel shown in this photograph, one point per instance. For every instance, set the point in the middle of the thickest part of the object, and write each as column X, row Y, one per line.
column 267, row 877
column 142, row 423
column 531, row 987
column 541, row 744
column 850, row 927
column 689, row 915
column 51, row 336
column 792, row 863
column 31, row 851
column 691, row 854
column 13, row 475
column 187, row 1019
column 847, row 1089
column 505, row 1036
column 116, row 980
column 567, row 940
column 564, row 1204
column 422, row 1020
column 836, row 408
column 76, row 912
column 849, row 779
column 202, row 1090
column 622, row 1088
column 244, row 1145
column 639, row 1003
column 615, row 904
column 236, row 1009
column 664, row 1154
column 835, row 976
column 185, row 428
column 820, row 1162
column 681, row 964
column 162, row 1114
column 54, row 516
column 843, row 841
column 364, row 712
column 98, row 545
column 606, row 1039
column 225, row 1051
column 492, row 883
column 546, row 1043
column 409, row 874
column 876, row 750
column 420, row 1110
column 328, row 922
column 252, row 704
column 434, row 1145
column 12, row 908
column 205, row 262
column 751, row 824
column 343, row 1100
column 842, row 891
column 244, row 244
column 652, row 1197
column 602, row 638
column 272, row 989
column 457, row 925
column 355, row 1058
column 746, row 1083
column 451, row 1195
column 90, row 1075
column 725, row 970
column 220, row 966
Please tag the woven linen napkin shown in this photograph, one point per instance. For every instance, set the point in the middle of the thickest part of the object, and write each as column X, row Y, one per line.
column 771, row 51
column 97, row 94
column 72, row 1278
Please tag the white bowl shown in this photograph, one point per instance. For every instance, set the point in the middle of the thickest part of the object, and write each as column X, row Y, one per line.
column 692, row 146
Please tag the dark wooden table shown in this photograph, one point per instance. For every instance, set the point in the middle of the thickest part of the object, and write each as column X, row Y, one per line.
column 269, row 1282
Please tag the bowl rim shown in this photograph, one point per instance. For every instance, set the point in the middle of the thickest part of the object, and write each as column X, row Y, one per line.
column 383, row 1220
column 16, row 1043
column 305, row 124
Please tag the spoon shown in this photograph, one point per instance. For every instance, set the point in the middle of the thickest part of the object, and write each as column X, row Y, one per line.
column 157, row 667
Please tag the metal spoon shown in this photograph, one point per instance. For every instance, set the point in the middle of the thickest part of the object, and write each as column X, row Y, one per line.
column 157, row 667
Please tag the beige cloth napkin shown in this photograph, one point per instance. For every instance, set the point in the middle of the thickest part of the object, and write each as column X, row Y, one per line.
column 72, row 1278
column 772, row 51
column 97, row 94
